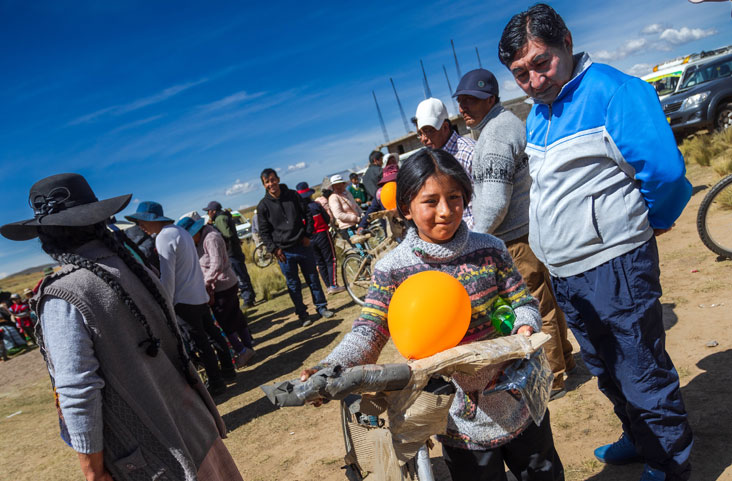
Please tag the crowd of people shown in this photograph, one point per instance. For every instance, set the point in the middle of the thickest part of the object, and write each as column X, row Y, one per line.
column 558, row 218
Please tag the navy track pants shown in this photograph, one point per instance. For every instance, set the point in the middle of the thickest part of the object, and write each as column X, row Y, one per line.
column 614, row 312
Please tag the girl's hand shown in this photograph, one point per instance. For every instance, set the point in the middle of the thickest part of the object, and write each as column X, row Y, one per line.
column 304, row 376
column 526, row 330
column 306, row 373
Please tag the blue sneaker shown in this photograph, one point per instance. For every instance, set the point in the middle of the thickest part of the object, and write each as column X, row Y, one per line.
column 650, row 474
column 621, row 451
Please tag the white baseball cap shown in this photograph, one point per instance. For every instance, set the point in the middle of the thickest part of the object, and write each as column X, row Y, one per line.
column 431, row 112
column 337, row 179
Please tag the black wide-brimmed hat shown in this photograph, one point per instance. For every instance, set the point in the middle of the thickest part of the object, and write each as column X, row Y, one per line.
column 63, row 200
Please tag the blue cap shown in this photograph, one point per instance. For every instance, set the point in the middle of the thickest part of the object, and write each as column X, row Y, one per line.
column 149, row 211
column 192, row 226
column 480, row 83
column 304, row 190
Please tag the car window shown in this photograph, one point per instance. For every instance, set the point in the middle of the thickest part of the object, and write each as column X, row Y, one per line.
column 704, row 73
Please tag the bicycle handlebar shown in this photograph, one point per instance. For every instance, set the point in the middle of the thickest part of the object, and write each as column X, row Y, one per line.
column 337, row 383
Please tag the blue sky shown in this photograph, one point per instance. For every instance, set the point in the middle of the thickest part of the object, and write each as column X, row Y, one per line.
column 184, row 102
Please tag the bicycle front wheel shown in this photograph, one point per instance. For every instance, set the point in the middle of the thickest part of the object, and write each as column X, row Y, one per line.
column 262, row 257
column 356, row 272
column 714, row 220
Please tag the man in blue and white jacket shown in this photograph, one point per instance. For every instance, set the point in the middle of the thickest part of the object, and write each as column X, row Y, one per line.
column 606, row 177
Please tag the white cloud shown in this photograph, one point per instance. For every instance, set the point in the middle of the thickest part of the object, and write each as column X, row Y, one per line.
column 3, row 275
column 652, row 29
column 509, row 87
column 232, row 99
column 278, row 169
column 240, row 187
column 639, row 69
column 298, row 166
column 135, row 201
column 685, row 35
column 628, row 48
column 115, row 110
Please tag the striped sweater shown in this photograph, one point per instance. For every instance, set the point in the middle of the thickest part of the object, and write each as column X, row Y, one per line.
column 484, row 267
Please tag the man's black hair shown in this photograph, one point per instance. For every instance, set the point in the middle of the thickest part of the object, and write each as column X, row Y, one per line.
column 266, row 173
column 353, row 176
column 421, row 166
column 375, row 155
column 540, row 22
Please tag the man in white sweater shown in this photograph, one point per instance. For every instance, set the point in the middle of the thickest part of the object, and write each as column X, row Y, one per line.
column 182, row 279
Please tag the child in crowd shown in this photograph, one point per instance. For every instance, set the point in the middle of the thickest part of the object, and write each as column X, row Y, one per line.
column 358, row 191
column 484, row 430
column 321, row 241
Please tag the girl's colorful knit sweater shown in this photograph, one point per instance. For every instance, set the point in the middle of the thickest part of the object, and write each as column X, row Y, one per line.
column 484, row 267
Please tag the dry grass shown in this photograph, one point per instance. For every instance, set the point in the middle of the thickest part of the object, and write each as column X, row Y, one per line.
column 710, row 149
column 16, row 284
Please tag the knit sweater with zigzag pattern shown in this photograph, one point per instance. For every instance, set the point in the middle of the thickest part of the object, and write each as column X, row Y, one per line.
column 484, row 267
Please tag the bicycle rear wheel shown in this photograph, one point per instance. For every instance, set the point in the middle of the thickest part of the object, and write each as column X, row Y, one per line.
column 356, row 272
column 714, row 220
column 262, row 257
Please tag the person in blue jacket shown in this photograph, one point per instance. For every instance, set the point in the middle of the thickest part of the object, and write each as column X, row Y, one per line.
column 607, row 178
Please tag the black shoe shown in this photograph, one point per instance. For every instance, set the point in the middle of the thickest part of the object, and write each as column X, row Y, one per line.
column 305, row 320
column 228, row 375
column 217, row 388
column 324, row 312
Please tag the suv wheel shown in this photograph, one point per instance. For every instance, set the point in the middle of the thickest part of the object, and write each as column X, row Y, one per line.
column 724, row 117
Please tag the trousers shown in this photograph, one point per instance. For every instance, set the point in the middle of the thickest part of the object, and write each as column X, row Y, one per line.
column 302, row 257
column 614, row 312
column 531, row 456
column 325, row 257
column 202, row 328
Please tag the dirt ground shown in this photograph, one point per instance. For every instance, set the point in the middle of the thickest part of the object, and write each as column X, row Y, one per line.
column 306, row 443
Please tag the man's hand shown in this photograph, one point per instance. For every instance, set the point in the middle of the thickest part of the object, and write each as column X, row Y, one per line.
column 92, row 465
column 305, row 241
column 280, row 255
column 526, row 330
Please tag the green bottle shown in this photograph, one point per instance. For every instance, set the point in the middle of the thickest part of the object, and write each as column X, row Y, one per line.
column 502, row 317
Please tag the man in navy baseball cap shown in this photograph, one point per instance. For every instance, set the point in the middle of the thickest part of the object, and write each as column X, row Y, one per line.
column 476, row 93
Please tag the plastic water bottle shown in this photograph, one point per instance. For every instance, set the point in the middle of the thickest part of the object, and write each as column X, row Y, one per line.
column 502, row 317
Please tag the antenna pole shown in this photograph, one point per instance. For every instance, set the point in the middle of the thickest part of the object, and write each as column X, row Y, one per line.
column 449, row 88
column 381, row 119
column 478, row 55
column 457, row 65
column 425, row 84
column 404, row 117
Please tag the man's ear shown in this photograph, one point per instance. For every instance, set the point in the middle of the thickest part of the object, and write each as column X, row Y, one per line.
column 568, row 42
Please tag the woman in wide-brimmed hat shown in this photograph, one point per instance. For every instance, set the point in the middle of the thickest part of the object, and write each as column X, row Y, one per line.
column 131, row 404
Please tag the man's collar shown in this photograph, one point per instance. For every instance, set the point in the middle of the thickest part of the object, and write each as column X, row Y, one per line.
column 492, row 114
column 451, row 140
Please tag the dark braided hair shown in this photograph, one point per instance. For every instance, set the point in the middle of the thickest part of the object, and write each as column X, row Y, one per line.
column 59, row 241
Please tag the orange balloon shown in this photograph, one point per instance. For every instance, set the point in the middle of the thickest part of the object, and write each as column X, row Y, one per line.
column 428, row 313
column 388, row 196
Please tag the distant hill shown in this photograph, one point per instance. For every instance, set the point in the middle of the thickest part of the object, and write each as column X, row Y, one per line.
column 31, row 270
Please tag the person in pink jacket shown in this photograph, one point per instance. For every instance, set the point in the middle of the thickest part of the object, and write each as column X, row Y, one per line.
column 344, row 207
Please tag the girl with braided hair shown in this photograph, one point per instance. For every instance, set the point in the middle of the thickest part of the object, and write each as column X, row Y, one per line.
column 130, row 403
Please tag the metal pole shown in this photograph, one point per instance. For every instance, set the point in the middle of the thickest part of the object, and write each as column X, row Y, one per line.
column 425, row 84
column 449, row 88
column 381, row 119
column 457, row 65
column 401, row 110
column 480, row 65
